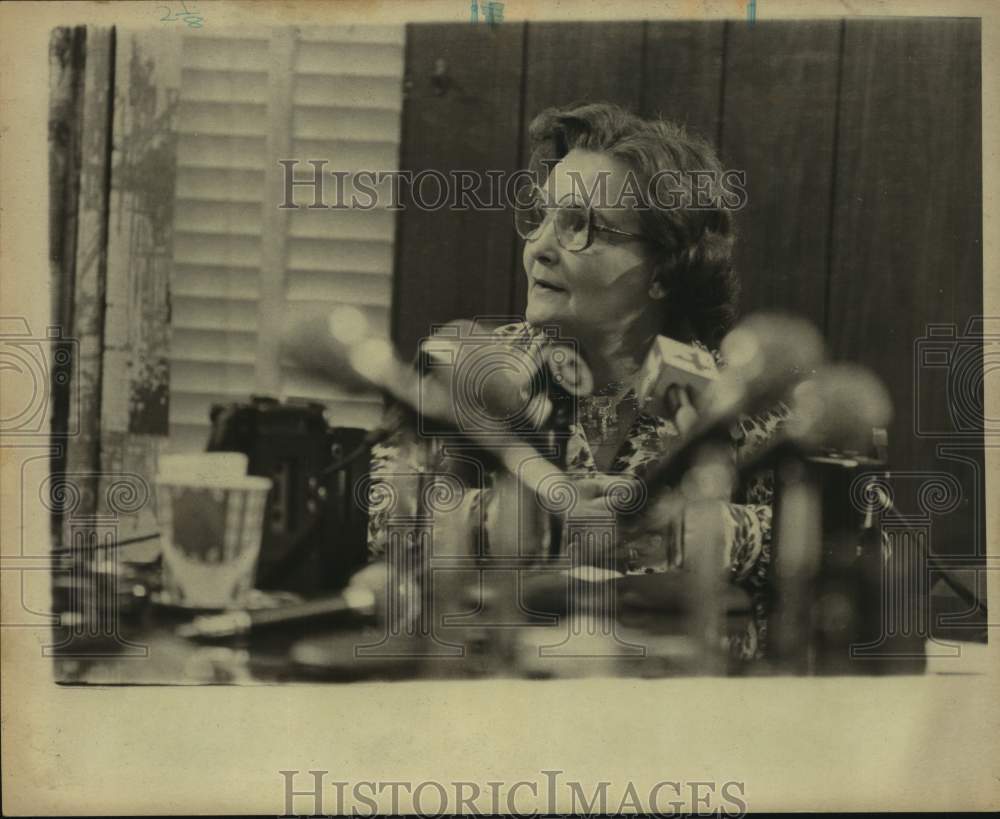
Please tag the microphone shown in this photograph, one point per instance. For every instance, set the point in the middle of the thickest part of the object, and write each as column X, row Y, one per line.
column 342, row 349
column 766, row 355
column 835, row 409
column 668, row 364
column 322, row 345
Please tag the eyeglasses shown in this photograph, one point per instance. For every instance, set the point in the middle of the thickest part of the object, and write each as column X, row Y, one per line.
column 574, row 224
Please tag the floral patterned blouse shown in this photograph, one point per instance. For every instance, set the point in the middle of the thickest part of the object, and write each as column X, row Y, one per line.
column 747, row 519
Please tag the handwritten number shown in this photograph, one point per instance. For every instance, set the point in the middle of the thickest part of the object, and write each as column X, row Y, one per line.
column 192, row 18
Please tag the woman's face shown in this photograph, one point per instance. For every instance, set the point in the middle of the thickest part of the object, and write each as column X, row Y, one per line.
column 604, row 288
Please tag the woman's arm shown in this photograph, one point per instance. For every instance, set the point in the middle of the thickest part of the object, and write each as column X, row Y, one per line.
column 749, row 541
column 396, row 466
column 750, row 516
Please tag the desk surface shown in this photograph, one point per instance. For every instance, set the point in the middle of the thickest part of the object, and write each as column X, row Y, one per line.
column 142, row 646
column 145, row 649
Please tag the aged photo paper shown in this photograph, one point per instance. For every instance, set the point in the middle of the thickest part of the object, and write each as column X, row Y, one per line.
column 178, row 266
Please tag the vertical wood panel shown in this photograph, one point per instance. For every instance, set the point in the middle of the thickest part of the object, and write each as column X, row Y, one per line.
column 682, row 74
column 907, row 242
column 140, row 256
column 568, row 63
column 455, row 263
column 780, row 107
column 583, row 62
column 83, row 455
column 140, row 245
column 67, row 67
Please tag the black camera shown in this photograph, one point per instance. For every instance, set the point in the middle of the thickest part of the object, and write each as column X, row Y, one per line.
column 315, row 533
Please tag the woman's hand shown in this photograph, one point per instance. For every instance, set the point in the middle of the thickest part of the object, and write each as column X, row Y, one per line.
column 679, row 403
column 657, row 537
column 660, row 538
column 677, row 533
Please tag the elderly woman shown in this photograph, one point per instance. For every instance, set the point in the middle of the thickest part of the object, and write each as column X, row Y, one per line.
column 611, row 267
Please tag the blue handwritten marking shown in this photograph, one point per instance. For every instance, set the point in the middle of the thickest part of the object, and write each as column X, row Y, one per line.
column 492, row 11
column 192, row 18
column 752, row 11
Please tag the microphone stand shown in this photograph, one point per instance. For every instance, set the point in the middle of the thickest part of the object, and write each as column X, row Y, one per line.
column 707, row 485
column 557, row 437
column 797, row 549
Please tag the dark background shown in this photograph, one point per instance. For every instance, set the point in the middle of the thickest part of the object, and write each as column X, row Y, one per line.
column 862, row 149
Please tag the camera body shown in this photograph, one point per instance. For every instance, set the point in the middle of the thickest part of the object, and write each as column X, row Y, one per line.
column 951, row 363
column 315, row 534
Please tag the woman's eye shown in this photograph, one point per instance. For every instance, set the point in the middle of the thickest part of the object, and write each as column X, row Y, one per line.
column 574, row 219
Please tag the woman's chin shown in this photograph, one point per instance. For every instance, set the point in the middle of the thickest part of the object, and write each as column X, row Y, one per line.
column 536, row 313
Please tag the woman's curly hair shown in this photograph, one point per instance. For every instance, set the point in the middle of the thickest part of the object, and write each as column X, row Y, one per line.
column 696, row 244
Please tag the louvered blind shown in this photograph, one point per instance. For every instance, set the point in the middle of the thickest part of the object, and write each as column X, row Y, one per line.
column 333, row 94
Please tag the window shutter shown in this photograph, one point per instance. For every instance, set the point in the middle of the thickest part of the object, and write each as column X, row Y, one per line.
column 242, row 265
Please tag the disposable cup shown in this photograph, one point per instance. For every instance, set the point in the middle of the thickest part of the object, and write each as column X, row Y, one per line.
column 211, row 528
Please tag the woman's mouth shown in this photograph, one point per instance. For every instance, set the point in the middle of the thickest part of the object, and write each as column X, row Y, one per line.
column 547, row 286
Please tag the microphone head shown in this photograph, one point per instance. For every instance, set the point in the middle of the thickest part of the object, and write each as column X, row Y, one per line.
column 323, row 345
column 837, row 409
column 342, row 348
column 765, row 355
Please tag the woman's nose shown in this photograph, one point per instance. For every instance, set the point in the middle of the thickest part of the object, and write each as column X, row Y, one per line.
column 544, row 248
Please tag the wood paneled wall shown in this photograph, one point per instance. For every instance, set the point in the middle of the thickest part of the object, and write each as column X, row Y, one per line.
column 862, row 148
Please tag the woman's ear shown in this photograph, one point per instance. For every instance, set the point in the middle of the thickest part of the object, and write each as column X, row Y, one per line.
column 657, row 290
